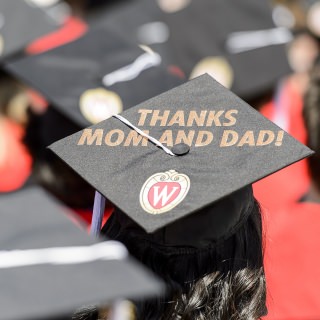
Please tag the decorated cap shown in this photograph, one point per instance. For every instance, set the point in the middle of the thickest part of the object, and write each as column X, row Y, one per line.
column 179, row 153
column 96, row 76
column 20, row 23
column 49, row 267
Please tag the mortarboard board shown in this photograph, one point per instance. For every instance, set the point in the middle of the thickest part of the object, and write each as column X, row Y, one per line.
column 236, row 41
column 20, row 23
column 220, row 146
column 103, row 73
column 49, row 266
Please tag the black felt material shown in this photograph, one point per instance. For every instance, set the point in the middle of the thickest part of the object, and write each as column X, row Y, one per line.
column 215, row 170
column 20, row 24
column 31, row 219
column 200, row 230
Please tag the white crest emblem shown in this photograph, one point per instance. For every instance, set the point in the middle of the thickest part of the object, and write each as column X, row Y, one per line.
column 99, row 104
column 163, row 191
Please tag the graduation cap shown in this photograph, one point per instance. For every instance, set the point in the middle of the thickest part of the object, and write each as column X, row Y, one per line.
column 96, row 76
column 49, row 267
column 20, row 23
column 235, row 41
column 190, row 154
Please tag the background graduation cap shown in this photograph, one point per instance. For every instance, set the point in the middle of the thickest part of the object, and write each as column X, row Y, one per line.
column 49, row 267
column 96, row 76
column 203, row 144
column 20, row 23
column 235, row 41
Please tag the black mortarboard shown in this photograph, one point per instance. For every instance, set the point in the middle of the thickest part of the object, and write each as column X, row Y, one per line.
column 49, row 266
column 220, row 144
column 234, row 40
column 96, row 76
column 20, row 23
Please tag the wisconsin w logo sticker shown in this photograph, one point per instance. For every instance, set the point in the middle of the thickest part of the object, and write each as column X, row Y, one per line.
column 163, row 191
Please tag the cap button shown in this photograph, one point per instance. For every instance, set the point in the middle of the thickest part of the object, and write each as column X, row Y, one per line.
column 180, row 149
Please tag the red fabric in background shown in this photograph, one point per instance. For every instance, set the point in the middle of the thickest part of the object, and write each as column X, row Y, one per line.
column 15, row 161
column 289, row 184
column 292, row 262
column 72, row 29
column 15, row 167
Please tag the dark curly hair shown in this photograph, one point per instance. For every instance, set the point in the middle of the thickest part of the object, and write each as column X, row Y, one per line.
column 225, row 281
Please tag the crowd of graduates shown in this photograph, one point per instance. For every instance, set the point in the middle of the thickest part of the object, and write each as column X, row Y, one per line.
column 67, row 65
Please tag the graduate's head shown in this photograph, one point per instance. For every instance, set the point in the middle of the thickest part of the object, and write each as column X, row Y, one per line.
column 179, row 169
column 212, row 264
